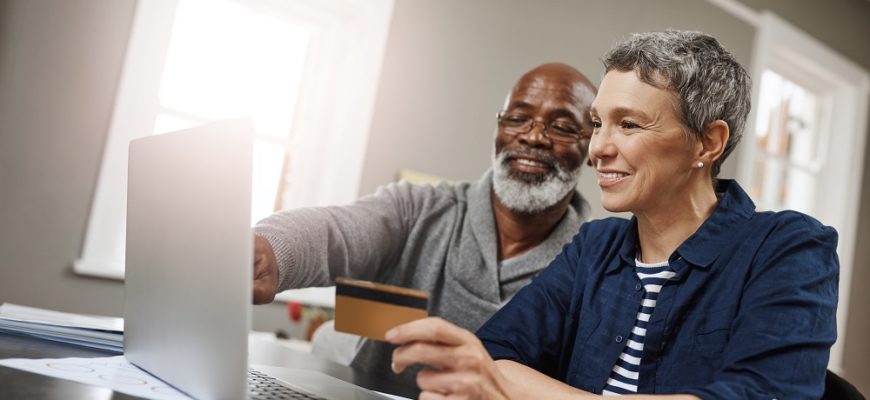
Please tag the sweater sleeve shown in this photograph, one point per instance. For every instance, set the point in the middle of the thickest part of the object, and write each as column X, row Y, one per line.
column 313, row 246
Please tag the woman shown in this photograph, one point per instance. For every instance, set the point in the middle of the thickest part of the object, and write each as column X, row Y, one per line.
column 697, row 296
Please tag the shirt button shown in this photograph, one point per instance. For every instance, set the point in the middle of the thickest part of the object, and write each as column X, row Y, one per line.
column 637, row 286
column 618, row 339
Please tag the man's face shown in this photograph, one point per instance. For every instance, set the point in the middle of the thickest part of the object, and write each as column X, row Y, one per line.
column 532, row 171
column 533, row 157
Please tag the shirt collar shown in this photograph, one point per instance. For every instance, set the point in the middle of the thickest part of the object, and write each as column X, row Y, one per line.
column 705, row 245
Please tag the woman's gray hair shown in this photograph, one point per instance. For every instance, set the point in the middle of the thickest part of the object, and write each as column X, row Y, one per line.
column 708, row 82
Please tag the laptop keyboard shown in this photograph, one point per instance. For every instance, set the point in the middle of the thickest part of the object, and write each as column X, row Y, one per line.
column 262, row 386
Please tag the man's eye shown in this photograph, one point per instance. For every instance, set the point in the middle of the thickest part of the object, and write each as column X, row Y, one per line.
column 596, row 124
column 515, row 120
column 565, row 128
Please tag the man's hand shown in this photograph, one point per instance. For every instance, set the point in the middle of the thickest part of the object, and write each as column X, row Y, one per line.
column 265, row 271
column 462, row 368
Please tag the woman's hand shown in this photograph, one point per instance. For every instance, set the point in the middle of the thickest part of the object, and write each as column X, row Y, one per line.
column 460, row 367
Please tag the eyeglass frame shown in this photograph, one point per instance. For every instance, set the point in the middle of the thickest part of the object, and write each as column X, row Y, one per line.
column 546, row 131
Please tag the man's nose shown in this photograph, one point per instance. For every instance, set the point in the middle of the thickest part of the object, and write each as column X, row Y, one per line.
column 537, row 134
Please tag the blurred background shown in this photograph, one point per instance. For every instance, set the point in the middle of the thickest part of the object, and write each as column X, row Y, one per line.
column 347, row 95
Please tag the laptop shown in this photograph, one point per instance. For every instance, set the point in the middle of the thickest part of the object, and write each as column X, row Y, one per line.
column 189, row 268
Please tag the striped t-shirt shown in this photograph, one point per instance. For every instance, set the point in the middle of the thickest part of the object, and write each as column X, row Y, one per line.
column 624, row 375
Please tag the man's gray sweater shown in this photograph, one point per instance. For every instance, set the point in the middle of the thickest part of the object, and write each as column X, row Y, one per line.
column 442, row 240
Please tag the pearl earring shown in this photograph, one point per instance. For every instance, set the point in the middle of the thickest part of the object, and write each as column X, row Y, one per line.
column 700, row 164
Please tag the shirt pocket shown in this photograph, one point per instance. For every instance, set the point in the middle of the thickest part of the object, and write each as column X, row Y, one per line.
column 713, row 333
column 586, row 355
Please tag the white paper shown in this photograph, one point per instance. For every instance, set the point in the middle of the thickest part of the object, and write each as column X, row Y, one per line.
column 84, row 330
column 32, row 314
column 115, row 373
column 392, row 396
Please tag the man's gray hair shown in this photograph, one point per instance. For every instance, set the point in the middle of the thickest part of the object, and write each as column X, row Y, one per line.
column 708, row 82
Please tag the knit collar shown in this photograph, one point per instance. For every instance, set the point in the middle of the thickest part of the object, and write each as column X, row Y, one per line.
column 483, row 225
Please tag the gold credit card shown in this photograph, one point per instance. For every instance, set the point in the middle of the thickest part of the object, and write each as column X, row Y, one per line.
column 371, row 309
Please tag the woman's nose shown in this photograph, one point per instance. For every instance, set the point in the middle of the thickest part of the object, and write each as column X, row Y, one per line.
column 600, row 146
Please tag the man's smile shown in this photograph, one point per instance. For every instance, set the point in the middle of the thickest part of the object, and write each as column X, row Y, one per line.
column 530, row 165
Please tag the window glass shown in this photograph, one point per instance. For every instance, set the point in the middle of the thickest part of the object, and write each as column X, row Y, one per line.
column 226, row 61
column 787, row 145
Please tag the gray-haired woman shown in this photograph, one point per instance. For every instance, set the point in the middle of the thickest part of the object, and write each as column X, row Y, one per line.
column 696, row 296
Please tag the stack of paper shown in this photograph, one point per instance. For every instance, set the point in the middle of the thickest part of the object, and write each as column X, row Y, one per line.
column 106, row 333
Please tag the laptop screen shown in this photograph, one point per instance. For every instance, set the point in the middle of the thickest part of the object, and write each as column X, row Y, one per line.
column 189, row 257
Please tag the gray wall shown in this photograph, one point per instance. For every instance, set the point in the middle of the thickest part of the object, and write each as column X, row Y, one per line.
column 448, row 66
column 60, row 62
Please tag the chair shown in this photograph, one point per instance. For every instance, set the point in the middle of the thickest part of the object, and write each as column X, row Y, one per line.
column 837, row 388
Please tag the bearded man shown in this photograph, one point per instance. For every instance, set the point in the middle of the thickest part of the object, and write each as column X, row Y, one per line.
column 471, row 246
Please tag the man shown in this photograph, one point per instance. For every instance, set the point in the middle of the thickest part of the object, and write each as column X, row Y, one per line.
column 470, row 245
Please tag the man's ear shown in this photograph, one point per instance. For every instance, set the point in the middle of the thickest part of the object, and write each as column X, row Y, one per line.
column 713, row 141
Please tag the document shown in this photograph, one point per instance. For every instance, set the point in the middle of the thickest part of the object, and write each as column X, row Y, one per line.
column 106, row 333
column 115, row 373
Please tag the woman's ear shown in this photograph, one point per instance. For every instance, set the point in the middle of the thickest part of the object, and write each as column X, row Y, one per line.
column 713, row 141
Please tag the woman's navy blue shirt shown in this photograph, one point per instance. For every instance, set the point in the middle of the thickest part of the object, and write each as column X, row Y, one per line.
column 751, row 313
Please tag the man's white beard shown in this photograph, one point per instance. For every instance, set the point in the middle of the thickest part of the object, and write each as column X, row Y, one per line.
column 531, row 195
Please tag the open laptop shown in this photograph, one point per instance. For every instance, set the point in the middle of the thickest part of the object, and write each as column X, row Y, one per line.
column 189, row 267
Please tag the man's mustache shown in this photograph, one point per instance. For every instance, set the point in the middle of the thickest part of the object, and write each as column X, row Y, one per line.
column 539, row 155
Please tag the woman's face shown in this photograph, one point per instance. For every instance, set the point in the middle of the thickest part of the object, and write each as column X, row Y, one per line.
column 640, row 148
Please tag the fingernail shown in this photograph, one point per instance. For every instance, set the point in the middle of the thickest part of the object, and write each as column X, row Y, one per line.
column 393, row 367
column 390, row 335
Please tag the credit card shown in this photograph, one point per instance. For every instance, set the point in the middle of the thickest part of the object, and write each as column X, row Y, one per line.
column 371, row 309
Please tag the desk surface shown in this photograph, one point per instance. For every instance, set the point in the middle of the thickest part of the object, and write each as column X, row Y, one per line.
column 17, row 384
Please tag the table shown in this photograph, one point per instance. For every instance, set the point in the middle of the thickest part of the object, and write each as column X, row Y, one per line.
column 17, row 384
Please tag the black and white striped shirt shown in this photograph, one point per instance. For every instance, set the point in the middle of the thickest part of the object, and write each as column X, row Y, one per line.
column 624, row 375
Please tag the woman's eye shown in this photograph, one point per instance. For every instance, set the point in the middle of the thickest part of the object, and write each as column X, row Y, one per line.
column 596, row 124
column 629, row 125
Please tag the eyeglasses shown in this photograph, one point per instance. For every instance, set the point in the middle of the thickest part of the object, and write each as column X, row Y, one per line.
column 562, row 131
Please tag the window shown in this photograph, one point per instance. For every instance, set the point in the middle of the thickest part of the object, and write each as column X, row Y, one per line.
column 290, row 66
column 227, row 60
column 806, row 148
column 789, row 147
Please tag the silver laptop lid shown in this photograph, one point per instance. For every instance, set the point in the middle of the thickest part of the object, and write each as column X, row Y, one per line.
column 188, row 232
